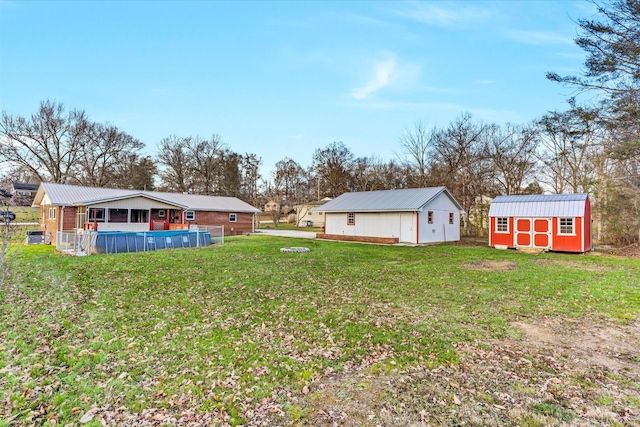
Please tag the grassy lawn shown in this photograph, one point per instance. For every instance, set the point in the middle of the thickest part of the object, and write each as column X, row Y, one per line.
column 286, row 226
column 240, row 333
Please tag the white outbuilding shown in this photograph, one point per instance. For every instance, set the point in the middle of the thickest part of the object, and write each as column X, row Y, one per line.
column 416, row 215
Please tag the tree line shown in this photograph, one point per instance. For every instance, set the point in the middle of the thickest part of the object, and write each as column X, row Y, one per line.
column 591, row 147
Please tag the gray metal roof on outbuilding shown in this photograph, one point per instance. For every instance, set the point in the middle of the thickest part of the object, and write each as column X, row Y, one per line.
column 540, row 206
column 72, row 195
column 411, row 200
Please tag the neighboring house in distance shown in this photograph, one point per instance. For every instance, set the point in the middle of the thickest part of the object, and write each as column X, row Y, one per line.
column 23, row 194
column 556, row 222
column 73, row 208
column 417, row 215
column 21, row 189
column 307, row 214
column 271, row 206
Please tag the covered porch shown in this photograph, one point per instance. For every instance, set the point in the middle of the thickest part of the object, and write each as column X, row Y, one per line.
column 131, row 214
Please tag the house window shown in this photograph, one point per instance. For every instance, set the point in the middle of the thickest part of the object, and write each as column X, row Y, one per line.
column 232, row 217
column 52, row 213
column 502, row 225
column 96, row 214
column 450, row 217
column 430, row 217
column 351, row 218
column 139, row 215
column 190, row 215
column 118, row 215
column 566, row 226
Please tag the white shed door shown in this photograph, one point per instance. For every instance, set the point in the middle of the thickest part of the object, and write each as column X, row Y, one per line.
column 407, row 227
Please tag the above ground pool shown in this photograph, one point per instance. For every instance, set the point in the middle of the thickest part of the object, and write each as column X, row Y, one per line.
column 107, row 242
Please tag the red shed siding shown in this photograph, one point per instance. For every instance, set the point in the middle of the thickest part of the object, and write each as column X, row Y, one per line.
column 545, row 230
column 567, row 243
column 501, row 238
column 587, row 226
column 560, row 243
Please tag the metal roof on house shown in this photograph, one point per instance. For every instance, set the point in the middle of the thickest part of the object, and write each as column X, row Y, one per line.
column 412, row 200
column 543, row 206
column 76, row 195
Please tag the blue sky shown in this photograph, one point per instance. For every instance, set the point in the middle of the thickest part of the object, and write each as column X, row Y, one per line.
column 281, row 79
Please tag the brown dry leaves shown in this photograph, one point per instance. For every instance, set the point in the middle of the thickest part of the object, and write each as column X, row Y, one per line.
column 559, row 376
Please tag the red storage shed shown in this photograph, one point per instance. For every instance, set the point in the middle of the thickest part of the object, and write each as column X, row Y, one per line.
column 556, row 222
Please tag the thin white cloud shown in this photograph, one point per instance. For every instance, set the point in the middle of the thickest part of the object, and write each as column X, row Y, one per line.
column 382, row 75
column 443, row 16
column 539, row 37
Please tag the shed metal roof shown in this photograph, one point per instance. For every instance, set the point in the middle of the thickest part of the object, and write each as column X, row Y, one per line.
column 543, row 206
column 412, row 199
column 76, row 195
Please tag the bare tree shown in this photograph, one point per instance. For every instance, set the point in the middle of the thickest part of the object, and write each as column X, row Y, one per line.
column 611, row 41
column 103, row 149
column 569, row 141
column 134, row 172
column 363, row 174
column 250, row 177
column 333, row 166
column 390, row 175
column 206, row 163
column 230, row 178
column 178, row 163
column 512, row 150
column 417, row 145
column 462, row 164
column 49, row 143
column 287, row 178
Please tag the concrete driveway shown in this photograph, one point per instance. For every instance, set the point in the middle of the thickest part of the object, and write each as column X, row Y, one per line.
column 288, row 233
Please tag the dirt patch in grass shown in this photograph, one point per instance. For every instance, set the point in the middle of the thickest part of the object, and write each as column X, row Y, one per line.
column 560, row 373
column 491, row 265
column 628, row 251
column 470, row 242
column 613, row 346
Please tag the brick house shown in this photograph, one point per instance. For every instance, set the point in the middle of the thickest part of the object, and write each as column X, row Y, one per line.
column 74, row 208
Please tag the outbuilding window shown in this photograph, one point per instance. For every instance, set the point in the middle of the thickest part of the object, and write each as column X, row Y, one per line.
column 566, row 226
column 232, row 217
column 451, row 217
column 430, row 217
column 190, row 216
column 502, row 225
column 351, row 218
